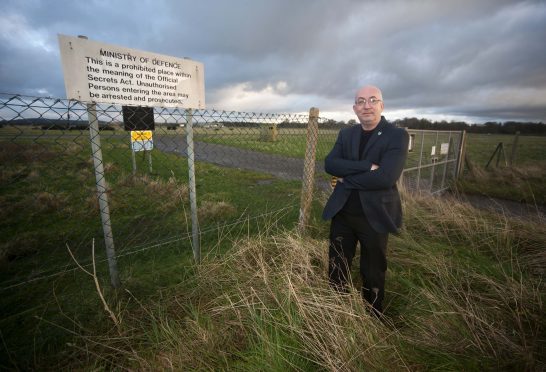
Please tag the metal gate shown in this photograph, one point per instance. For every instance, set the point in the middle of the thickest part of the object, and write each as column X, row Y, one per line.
column 434, row 160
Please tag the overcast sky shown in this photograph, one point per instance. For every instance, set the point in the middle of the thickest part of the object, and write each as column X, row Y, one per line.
column 474, row 60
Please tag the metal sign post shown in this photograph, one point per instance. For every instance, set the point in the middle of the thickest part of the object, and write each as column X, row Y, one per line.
column 193, row 193
column 102, row 194
column 99, row 72
column 142, row 140
column 133, row 158
column 96, row 150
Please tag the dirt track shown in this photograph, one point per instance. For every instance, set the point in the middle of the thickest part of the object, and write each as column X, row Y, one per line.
column 228, row 156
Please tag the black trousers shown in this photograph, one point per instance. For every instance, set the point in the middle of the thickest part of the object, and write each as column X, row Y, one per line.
column 345, row 231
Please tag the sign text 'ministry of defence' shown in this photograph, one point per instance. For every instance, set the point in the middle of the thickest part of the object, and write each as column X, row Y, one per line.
column 98, row 72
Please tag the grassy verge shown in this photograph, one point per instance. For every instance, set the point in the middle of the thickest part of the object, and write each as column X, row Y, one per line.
column 522, row 182
column 465, row 291
column 48, row 201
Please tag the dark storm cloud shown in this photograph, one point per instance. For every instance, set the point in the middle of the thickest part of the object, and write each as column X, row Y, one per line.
column 480, row 60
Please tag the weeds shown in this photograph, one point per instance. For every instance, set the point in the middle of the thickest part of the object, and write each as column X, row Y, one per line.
column 523, row 183
column 465, row 288
column 215, row 210
column 458, row 298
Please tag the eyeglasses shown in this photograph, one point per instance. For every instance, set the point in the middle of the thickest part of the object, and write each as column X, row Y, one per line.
column 372, row 101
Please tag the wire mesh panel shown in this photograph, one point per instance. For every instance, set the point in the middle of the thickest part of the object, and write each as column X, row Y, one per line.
column 60, row 180
column 249, row 166
column 433, row 160
column 57, row 173
column 48, row 193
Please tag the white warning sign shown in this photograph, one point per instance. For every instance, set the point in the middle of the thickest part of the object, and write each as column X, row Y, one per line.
column 98, row 72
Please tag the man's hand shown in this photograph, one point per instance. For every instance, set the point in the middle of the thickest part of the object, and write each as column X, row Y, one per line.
column 335, row 179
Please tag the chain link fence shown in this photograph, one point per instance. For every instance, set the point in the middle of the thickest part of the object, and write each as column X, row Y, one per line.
column 72, row 176
column 247, row 167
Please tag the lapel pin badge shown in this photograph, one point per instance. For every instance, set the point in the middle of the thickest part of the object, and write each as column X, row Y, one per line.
column 379, row 133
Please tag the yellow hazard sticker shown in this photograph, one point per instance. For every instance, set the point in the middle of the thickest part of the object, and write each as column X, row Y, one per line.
column 141, row 135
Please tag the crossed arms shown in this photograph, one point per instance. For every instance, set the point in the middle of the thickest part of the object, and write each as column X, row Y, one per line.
column 380, row 172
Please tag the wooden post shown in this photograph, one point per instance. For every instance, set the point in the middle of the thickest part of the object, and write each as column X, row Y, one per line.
column 498, row 151
column 514, row 149
column 308, row 182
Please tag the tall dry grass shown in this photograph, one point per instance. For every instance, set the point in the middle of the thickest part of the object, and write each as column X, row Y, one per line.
column 463, row 293
column 483, row 296
column 523, row 183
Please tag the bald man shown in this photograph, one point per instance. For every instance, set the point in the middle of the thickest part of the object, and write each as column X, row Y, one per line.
column 368, row 158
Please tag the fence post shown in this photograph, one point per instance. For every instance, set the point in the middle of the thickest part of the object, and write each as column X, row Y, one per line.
column 94, row 136
column 308, row 182
column 420, row 161
column 133, row 158
column 433, row 171
column 461, row 155
column 498, row 151
column 447, row 159
column 149, row 154
column 193, row 193
column 514, row 149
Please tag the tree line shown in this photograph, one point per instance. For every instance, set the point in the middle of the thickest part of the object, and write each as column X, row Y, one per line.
column 508, row 127
column 491, row 127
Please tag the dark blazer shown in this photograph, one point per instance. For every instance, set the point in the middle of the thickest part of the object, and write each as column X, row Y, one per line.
column 388, row 148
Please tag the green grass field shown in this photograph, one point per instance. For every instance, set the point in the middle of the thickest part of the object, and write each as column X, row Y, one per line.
column 465, row 289
column 48, row 201
column 530, row 150
column 523, row 180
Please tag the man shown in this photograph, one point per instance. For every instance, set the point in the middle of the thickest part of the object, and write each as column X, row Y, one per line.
column 365, row 205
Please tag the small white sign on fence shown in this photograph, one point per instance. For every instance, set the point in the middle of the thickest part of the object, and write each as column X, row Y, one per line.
column 141, row 140
column 98, row 72
column 444, row 148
